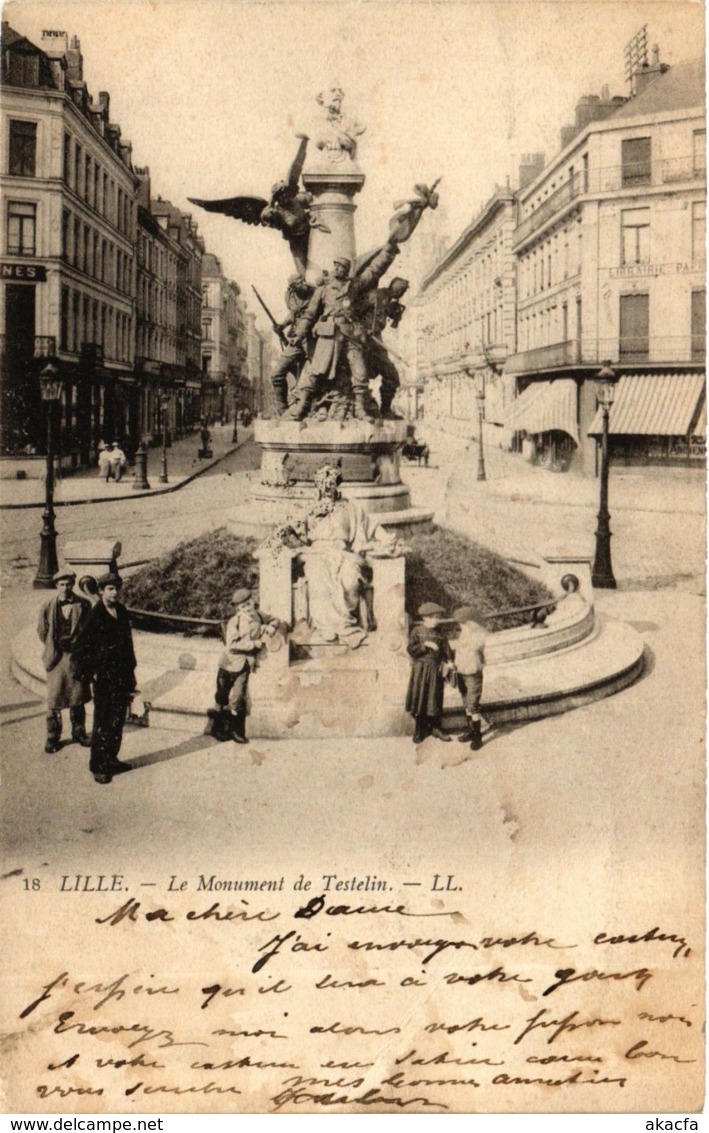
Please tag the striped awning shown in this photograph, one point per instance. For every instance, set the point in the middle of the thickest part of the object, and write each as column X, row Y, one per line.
column 656, row 405
column 545, row 406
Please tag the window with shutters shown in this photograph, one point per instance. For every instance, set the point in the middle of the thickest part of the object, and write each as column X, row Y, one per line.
column 21, row 228
column 23, row 148
column 635, row 161
column 699, row 231
column 699, row 324
column 635, row 236
column 634, row 343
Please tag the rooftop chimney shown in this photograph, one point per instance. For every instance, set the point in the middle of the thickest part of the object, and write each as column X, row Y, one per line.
column 75, row 61
column 530, row 166
column 648, row 72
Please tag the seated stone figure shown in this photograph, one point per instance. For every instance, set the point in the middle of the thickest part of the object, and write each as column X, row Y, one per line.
column 337, row 534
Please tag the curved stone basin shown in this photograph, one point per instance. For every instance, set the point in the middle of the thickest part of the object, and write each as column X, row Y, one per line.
column 530, row 673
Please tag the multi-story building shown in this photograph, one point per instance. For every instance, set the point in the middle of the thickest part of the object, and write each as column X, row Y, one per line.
column 169, row 258
column 465, row 318
column 67, row 258
column 610, row 249
column 224, row 342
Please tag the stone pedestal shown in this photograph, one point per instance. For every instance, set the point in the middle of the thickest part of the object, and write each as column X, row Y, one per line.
column 367, row 455
column 333, row 204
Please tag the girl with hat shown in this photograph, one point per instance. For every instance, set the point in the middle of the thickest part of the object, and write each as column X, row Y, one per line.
column 432, row 663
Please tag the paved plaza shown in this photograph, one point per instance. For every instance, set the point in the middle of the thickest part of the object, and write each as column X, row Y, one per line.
column 183, row 781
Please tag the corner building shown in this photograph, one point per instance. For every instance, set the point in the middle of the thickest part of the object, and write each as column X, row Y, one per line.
column 67, row 259
column 611, row 262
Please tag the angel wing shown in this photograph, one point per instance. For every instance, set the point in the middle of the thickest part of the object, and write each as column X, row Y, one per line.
column 298, row 162
column 248, row 209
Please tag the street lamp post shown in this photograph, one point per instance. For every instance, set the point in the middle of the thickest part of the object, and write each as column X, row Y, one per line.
column 602, row 574
column 163, row 469
column 234, row 431
column 51, row 386
column 480, row 399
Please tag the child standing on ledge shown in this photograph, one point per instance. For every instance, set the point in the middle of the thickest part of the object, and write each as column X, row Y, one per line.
column 432, row 662
column 469, row 648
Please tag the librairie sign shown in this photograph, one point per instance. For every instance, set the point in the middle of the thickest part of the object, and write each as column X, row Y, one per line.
column 24, row 273
column 634, row 271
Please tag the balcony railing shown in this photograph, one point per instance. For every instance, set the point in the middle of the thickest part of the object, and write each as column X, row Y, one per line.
column 665, row 350
column 666, row 171
column 557, row 202
column 544, row 358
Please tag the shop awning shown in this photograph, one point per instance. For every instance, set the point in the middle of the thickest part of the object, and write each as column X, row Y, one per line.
column 656, row 405
column 545, row 406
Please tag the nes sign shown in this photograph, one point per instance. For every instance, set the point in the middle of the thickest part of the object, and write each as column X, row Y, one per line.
column 23, row 273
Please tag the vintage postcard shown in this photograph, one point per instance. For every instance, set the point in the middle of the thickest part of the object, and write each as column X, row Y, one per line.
column 352, row 514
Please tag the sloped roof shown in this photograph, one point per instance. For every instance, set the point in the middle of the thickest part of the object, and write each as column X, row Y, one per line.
column 681, row 87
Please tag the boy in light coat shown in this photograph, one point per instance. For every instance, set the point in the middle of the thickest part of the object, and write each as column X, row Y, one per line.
column 469, row 649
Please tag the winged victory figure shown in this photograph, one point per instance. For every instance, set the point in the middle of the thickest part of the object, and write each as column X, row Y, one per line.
column 288, row 209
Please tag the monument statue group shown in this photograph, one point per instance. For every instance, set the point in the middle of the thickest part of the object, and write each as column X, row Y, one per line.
column 337, row 312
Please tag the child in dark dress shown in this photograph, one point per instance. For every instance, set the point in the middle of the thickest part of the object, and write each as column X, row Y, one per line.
column 432, row 661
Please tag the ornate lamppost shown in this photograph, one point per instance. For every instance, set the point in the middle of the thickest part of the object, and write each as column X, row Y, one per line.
column 234, row 405
column 51, row 387
column 164, row 402
column 602, row 573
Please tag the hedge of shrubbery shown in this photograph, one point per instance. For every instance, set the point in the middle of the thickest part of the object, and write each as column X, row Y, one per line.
column 197, row 578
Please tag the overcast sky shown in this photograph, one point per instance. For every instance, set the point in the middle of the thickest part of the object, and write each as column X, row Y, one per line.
column 211, row 92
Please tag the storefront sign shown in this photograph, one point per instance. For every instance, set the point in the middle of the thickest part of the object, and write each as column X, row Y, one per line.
column 23, row 273
column 640, row 271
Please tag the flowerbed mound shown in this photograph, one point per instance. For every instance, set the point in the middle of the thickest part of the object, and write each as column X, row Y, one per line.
column 197, row 578
column 453, row 570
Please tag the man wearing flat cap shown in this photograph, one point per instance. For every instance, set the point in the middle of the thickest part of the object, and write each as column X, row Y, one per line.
column 60, row 622
column 246, row 634
column 337, row 317
column 105, row 656
column 432, row 662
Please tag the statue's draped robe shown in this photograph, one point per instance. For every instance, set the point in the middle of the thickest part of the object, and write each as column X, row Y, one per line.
column 335, row 571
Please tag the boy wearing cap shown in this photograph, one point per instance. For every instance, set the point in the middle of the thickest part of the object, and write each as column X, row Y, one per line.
column 245, row 635
column 432, row 661
column 469, row 649
column 105, row 656
column 60, row 621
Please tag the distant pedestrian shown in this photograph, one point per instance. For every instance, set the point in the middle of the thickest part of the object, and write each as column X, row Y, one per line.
column 105, row 656
column 432, row 662
column 118, row 461
column 60, row 622
column 469, row 650
column 104, row 462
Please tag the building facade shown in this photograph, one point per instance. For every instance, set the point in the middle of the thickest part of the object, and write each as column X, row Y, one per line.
column 67, row 260
column 224, row 343
column 610, row 250
column 465, row 320
column 598, row 258
column 168, row 277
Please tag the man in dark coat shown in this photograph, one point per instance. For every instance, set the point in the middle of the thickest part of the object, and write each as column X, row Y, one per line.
column 105, row 656
column 60, row 622
column 432, row 661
